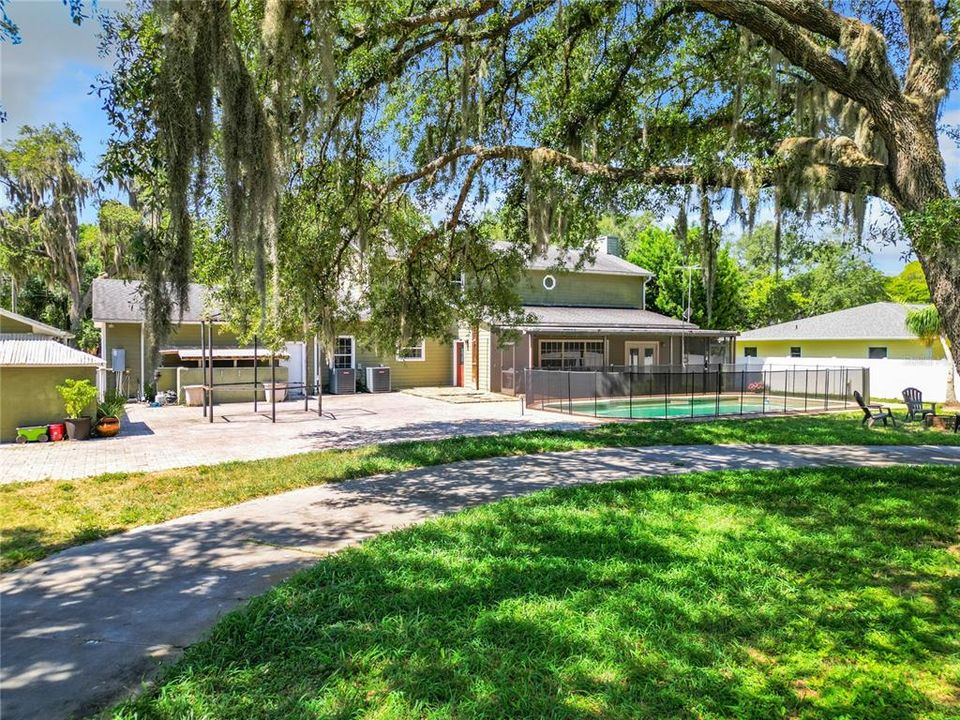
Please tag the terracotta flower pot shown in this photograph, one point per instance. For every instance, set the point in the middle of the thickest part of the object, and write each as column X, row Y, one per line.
column 108, row 426
column 78, row 428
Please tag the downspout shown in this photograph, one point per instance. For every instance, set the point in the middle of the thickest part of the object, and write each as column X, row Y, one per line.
column 105, row 375
column 142, row 360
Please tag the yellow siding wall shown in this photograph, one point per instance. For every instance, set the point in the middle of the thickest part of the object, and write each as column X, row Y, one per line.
column 28, row 396
column 898, row 349
column 483, row 361
column 435, row 369
column 127, row 336
column 583, row 289
column 9, row 325
column 170, row 376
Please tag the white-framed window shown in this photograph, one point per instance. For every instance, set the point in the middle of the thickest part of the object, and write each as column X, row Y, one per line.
column 414, row 353
column 549, row 282
column 750, row 351
column 569, row 354
column 795, row 351
column 344, row 353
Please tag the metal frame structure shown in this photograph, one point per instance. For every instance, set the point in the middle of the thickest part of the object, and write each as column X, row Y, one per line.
column 210, row 385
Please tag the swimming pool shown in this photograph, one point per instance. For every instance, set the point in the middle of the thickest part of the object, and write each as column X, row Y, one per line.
column 678, row 406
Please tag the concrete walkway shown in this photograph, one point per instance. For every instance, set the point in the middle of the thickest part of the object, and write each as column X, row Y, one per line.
column 88, row 625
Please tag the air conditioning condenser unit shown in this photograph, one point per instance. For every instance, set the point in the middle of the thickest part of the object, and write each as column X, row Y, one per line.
column 378, row 379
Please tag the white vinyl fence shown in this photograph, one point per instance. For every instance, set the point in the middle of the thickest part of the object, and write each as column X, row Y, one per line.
column 888, row 377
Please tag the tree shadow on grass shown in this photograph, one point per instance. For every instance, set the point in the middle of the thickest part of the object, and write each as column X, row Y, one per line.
column 814, row 593
column 24, row 544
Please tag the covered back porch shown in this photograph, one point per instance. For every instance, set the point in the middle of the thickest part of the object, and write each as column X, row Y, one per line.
column 603, row 338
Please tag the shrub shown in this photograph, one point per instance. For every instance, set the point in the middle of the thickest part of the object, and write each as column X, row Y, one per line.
column 77, row 396
column 88, row 336
column 112, row 405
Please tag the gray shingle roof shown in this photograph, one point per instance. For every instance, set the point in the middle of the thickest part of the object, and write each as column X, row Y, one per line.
column 602, row 264
column 880, row 320
column 603, row 317
column 120, row 301
column 24, row 349
column 608, row 321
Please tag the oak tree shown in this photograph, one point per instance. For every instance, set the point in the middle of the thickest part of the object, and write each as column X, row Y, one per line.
column 560, row 111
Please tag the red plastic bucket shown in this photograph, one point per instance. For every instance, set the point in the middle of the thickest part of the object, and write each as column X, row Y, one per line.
column 55, row 431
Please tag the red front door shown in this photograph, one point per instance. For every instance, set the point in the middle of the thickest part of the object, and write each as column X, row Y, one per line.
column 458, row 362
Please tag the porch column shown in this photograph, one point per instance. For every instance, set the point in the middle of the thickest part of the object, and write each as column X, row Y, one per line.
column 475, row 357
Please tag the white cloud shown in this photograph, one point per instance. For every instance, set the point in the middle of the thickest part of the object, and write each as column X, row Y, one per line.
column 52, row 47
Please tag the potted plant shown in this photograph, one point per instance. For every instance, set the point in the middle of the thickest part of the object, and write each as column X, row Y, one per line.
column 77, row 396
column 149, row 392
column 108, row 414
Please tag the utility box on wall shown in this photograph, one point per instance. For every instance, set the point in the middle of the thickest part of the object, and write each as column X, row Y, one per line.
column 118, row 359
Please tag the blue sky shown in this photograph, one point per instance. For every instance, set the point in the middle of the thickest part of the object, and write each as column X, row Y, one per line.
column 48, row 78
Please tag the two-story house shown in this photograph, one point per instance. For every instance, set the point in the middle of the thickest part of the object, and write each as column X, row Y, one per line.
column 591, row 317
column 583, row 314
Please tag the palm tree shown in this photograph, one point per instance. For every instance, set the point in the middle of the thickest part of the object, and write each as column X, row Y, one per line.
column 926, row 324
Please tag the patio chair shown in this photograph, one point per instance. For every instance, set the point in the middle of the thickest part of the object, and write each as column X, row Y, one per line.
column 913, row 399
column 873, row 412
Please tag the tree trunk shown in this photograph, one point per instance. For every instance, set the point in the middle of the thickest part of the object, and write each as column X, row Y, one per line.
column 75, row 308
column 918, row 177
column 941, row 266
column 951, row 385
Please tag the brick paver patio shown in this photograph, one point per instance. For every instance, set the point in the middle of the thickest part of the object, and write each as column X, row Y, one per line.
column 171, row 437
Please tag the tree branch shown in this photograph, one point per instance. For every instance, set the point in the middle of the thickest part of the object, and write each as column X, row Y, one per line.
column 834, row 163
column 444, row 15
column 867, row 82
column 928, row 69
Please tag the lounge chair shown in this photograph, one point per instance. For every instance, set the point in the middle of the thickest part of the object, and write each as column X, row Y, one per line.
column 913, row 399
column 873, row 412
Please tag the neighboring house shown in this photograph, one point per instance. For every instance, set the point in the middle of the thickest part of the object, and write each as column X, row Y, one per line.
column 875, row 331
column 34, row 359
column 873, row 336
column 589, row 316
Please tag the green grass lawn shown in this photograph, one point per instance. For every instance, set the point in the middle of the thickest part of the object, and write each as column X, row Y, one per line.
column 815, row 593
column 39, row 518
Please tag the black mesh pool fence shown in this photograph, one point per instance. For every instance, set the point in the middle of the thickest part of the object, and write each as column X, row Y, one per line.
column 714, row 390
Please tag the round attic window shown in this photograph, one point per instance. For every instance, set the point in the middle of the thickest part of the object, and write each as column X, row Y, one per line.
column 549, row 282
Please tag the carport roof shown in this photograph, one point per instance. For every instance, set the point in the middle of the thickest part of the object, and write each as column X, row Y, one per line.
column 236, row 353
column 26, row 350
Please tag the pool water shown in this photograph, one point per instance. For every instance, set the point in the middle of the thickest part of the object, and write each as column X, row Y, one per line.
column 677, row 406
